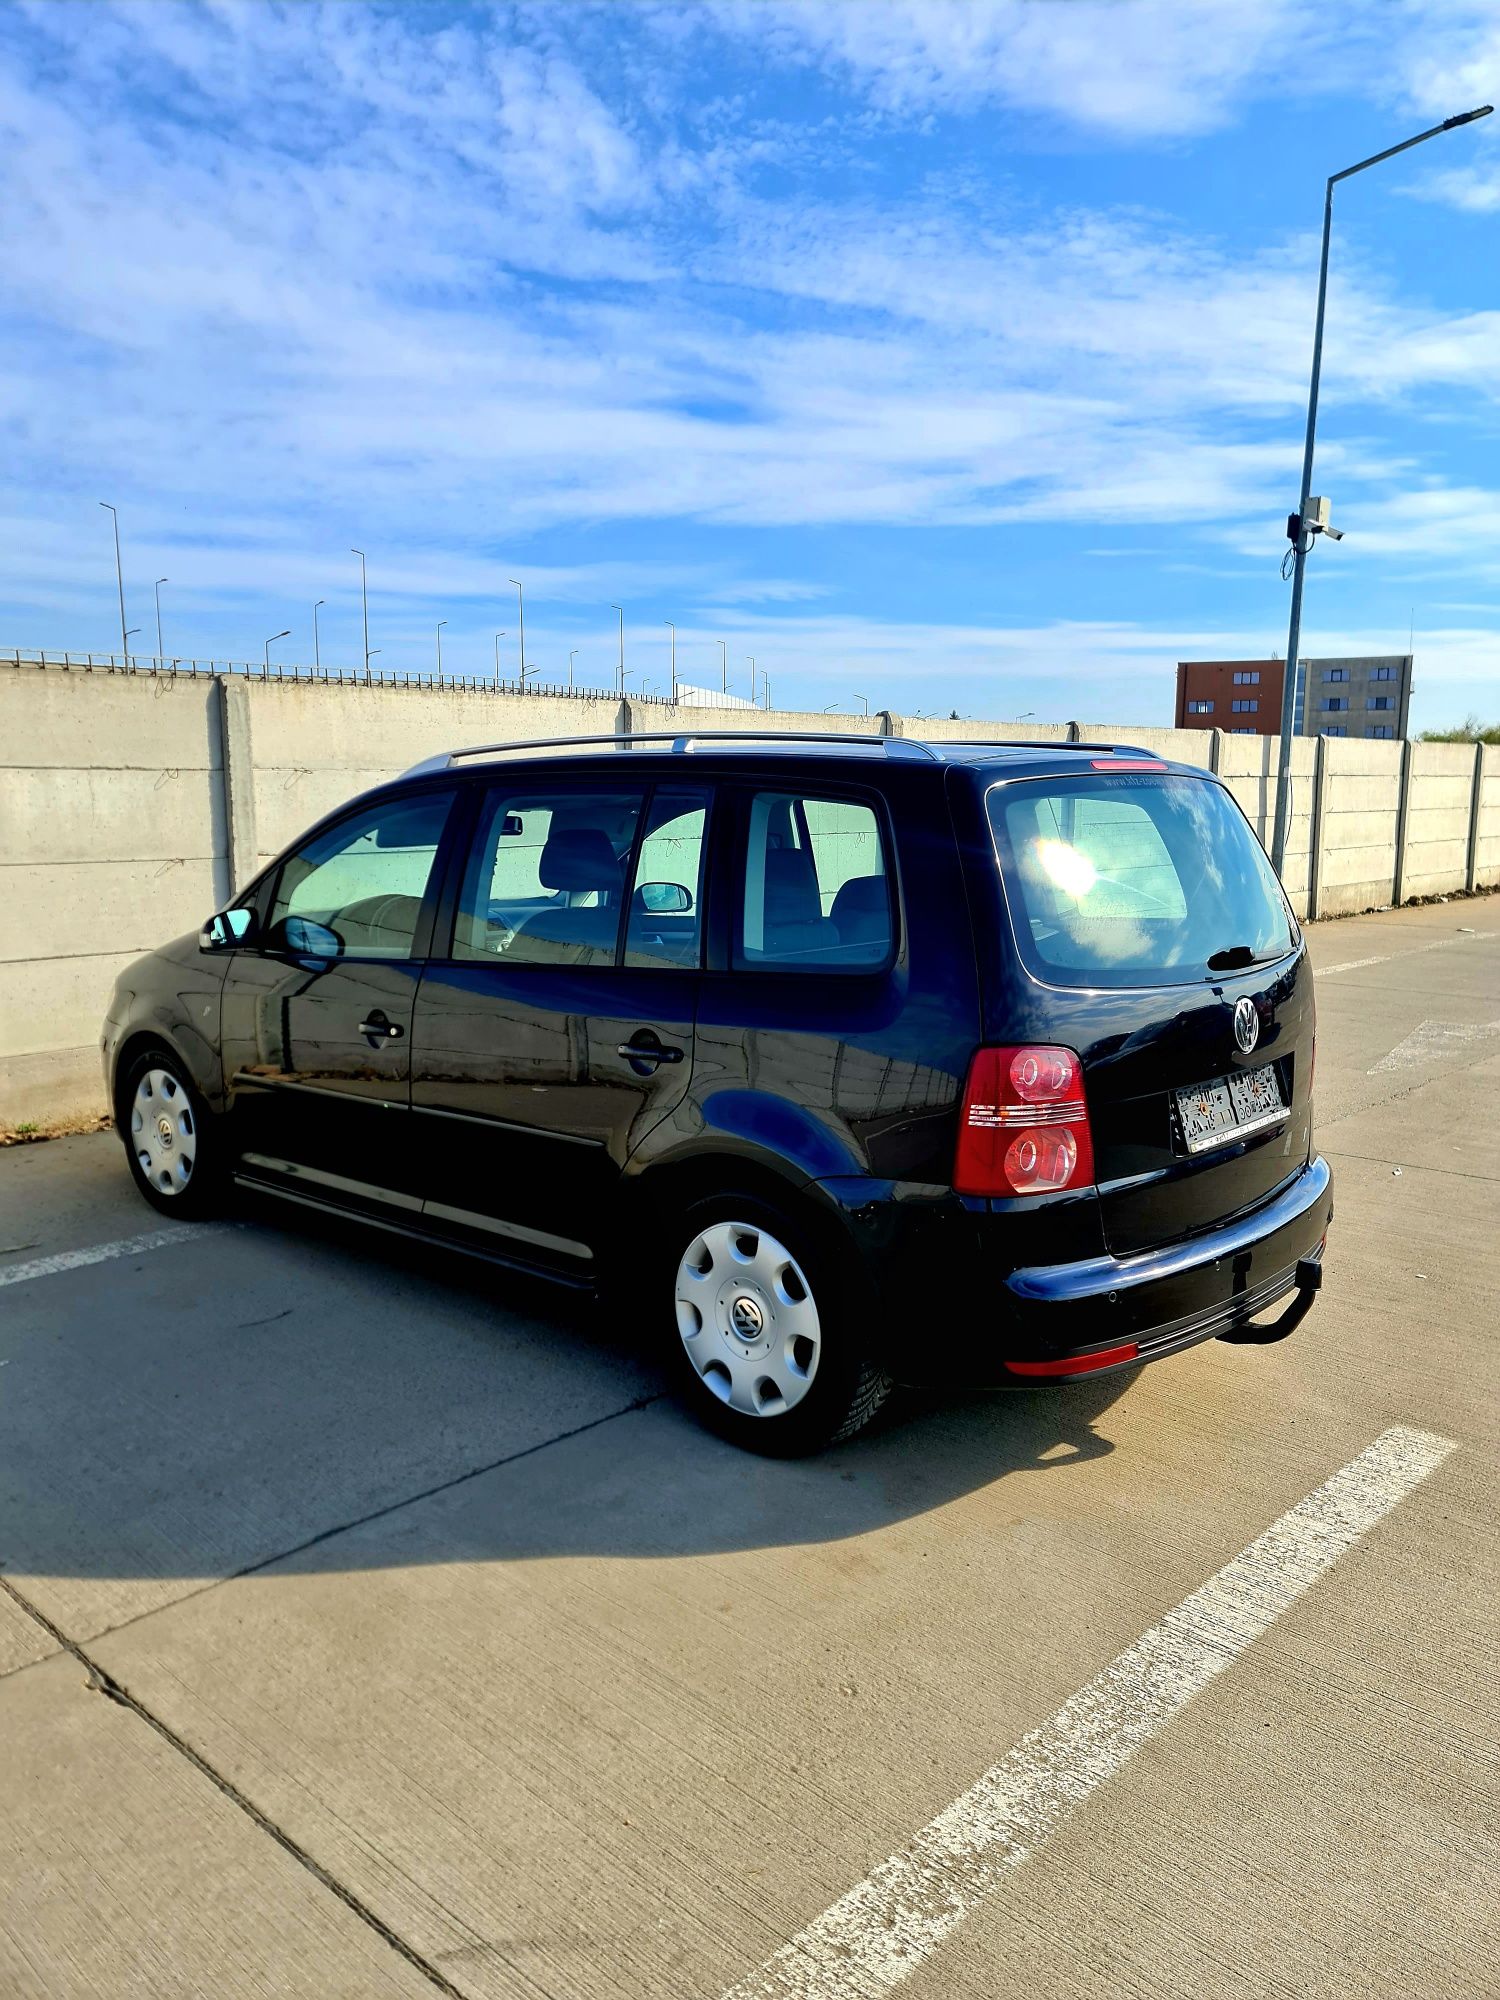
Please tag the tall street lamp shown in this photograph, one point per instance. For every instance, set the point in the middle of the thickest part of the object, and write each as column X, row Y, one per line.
column 126, row 639
column 865, row 699
column 440, row 624
column 723, row 667
column 317, row 654
column 1300, row 535
column 119, row 577
column 621, row 609
column 272, row 641
column 521, row 602
column 673, row 630
column 751, row 658
column 571, row 658
column 364, row 598
column 159, row 582
column 498, row 637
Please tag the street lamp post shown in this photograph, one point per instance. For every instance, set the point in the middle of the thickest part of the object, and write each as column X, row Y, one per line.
column 751, row 658
column 521, row 603
column 571, row 658
column 765, row 682
column 272, row 641
column 126, row 642
column 440, row 624
column 159, row 582
column 1301, row 539
column 498, row 637
column 621, row 610
column 865, row 699
column 317, row 650
column 119, row 578
column 364, row 598
column 723, row 667
column 673, row 630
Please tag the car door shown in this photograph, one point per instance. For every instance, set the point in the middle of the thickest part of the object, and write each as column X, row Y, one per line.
column 557, row 1029
column 317, row 1006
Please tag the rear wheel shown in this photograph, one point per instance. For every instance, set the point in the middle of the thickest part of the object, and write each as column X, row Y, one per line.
column 769, row 1343
column 169, row 1140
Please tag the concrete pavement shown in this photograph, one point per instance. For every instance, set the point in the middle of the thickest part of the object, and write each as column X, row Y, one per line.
column 461, row 1661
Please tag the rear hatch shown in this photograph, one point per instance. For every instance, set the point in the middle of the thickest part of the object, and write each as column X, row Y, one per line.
column 1157, row 944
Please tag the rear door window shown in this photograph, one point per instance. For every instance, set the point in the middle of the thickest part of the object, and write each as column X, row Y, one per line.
column 1135, row 880
column 816, row 891
column 545, row 878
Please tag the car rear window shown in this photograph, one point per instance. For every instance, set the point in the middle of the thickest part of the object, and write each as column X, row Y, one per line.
column 1135, row 880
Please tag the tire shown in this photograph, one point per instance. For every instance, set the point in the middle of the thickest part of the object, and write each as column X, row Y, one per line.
column 170, row 1141
column 765, row 1329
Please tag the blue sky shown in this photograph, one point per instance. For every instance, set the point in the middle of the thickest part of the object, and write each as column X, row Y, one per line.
column 955, row 355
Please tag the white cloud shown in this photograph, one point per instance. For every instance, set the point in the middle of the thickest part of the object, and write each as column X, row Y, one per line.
column 1151, row 68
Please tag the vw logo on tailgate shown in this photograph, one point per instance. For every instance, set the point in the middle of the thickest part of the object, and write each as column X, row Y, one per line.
column 1246, row 1025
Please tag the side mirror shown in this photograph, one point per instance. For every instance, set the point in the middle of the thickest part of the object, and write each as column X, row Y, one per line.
column 227, row 929
column 664, row 899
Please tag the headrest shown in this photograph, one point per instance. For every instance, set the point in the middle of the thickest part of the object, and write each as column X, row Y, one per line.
column 861, row 896
column 579, row 857
column 791, row 887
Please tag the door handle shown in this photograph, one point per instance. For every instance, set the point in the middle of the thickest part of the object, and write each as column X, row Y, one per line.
column 649, row 1052
column 378, row 1028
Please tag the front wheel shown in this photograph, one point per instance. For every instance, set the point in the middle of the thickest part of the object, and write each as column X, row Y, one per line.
column 768, row 1331
column 169, row 1140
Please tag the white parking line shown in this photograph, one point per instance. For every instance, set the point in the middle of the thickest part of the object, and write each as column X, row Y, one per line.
column 1384, row 957
column 886, row 1927
column 100, row 1253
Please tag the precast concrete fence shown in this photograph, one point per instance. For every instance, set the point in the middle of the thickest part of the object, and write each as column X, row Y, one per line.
column 134, row 801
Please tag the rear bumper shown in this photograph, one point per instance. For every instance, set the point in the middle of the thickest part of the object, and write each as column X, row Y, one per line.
column 1019, row 1326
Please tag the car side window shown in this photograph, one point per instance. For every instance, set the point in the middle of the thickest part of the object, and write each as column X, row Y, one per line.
column 357, row 889
column 545, row 878
column 665, row 926
column 817, row 889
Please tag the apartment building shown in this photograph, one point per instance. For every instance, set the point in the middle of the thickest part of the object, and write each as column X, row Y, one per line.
column 1368, row 697
column 1354, row 697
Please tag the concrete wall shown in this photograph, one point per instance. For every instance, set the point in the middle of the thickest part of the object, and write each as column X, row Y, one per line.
column 131, row 804
column 1487, row 820
column 112, row 837
column 1361, row 807
column 1437, row 818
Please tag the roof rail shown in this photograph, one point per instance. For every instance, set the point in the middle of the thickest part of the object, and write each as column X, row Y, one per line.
column 683, row 742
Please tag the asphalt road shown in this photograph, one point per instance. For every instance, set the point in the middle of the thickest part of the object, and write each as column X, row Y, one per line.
column 371, row 1626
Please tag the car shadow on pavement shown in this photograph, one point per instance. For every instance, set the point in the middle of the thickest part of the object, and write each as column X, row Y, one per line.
column 305, row 1394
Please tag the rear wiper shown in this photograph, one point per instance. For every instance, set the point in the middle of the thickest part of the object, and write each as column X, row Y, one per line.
column 1232, row 959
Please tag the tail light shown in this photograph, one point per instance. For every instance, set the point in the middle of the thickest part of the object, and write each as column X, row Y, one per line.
column 1024, row 1124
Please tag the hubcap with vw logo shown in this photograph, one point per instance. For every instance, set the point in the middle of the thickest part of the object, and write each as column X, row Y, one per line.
column 748, row 1322
column 163, row 1134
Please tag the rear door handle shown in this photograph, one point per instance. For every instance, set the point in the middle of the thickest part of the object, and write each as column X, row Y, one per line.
column 649, row 1052
column 378, row 1028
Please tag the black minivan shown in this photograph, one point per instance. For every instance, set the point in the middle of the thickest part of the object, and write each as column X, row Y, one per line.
column 842, row 1061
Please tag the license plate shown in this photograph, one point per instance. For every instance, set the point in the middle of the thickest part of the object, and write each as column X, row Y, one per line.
column 1211, row 1114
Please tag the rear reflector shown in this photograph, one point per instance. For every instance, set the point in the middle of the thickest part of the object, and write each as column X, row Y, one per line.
column 1127, row 764
column 1077, row 1364
column 1023, row 1125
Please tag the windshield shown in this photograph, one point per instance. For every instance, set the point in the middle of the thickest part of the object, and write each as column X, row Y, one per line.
column 1135, row 880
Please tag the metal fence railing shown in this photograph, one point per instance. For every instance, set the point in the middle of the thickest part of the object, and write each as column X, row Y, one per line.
column 276, row 670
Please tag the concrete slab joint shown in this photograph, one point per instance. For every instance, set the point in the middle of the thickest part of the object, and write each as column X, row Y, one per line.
column 238, row 779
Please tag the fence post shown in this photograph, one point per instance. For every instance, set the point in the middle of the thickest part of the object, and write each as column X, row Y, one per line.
column 237, row 781
column 1476, row 799
column 1403, row 818
column 1315, row 831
